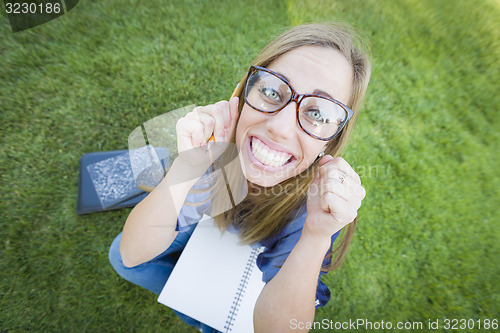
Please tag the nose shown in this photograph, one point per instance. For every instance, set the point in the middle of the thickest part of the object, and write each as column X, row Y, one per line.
column 283, row 124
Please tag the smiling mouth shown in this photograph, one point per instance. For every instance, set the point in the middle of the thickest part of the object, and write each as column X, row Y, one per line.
column 267, row 156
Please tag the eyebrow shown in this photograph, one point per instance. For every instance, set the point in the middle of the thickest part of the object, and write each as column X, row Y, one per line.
column 322, row 92
column 315, row 92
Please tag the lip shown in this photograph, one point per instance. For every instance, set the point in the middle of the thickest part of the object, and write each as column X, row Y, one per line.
column 273, row 145
column 254, row 160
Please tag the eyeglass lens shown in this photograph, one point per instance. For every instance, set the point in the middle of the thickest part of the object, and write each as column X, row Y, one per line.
column 317, row 116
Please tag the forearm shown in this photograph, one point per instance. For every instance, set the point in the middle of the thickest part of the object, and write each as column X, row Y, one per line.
column 291, row 294
column 150, row 226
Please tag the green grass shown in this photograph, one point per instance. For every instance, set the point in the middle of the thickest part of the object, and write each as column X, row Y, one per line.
column 426, row 146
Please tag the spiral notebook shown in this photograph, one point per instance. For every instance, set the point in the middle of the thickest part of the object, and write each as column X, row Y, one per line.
column 216, row 281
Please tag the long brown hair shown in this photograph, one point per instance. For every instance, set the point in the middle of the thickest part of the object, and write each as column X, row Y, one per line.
column 263, row 215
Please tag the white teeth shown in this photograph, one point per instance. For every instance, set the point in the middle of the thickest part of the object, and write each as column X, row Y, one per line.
column 268, row 156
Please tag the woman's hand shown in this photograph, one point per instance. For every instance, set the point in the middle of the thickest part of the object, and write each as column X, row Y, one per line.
column 195, row 129
column 334, row 198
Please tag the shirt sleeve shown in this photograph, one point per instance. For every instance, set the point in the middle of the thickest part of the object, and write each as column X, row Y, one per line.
column 271, row 260
column 196, row 204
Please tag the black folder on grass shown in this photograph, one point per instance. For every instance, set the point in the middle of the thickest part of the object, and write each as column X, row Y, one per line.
column 106, row 181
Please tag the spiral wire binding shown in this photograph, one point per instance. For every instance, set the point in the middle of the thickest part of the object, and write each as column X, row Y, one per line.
column 233, row 313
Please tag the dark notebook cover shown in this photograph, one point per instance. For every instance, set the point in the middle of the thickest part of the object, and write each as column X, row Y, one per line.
column 88, row 199
column 108, row 166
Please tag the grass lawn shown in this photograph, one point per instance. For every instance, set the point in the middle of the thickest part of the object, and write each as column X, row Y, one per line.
column 426, row 145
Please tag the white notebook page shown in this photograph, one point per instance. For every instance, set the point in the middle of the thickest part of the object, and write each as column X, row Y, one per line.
column 206, row 280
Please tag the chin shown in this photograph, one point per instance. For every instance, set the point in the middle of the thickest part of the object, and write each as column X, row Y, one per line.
column 263, row 182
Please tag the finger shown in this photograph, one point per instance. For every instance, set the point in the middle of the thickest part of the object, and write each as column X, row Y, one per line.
column 341, row 164
column 342, row 212
column 332, row 173
column 208, row 125
column 352, row 193
column 325, row 159
column 203, row 114
column 341, row 190
column 216, row 111
column 331, row 202
column 360, row 192
column 207, row 121
column 226, row 115
column 191, row 129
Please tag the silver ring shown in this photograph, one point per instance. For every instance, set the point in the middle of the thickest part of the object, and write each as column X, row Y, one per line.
column 343, row 178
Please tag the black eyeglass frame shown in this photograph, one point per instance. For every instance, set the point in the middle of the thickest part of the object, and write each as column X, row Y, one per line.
column 297, row 98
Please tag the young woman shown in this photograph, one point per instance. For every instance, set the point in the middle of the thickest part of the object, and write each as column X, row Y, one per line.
column 290, row 120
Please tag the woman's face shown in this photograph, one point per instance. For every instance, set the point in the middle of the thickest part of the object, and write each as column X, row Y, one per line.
column 310, row 70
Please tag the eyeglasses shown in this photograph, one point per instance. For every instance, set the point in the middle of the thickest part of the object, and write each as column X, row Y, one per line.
column 319, row 116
